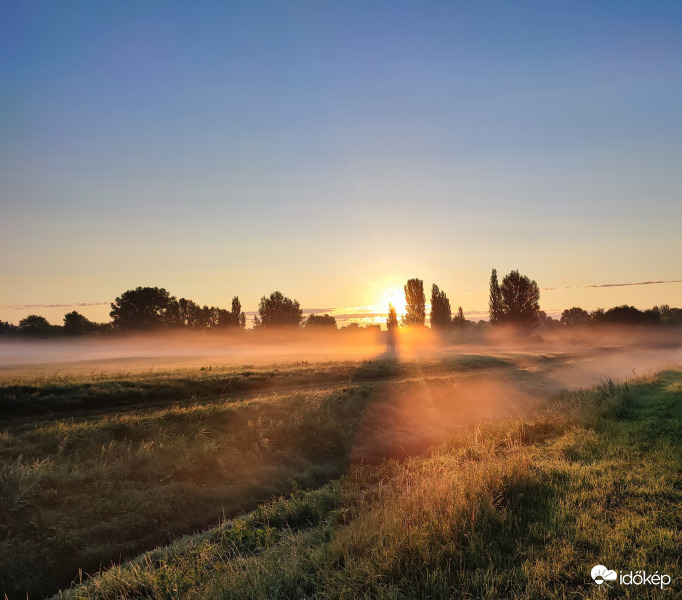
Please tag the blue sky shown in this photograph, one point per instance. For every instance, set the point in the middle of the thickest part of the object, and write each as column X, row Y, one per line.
column 332, row 150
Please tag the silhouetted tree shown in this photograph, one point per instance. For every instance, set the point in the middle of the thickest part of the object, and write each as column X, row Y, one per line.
column 441, row 314
column 35, row 326
column 144, row 309
column 415, row 303
column 597, row 316
column 238, row 318
column 670, row 316
column 77, row 324
column 624, row 315
column 573, row 317
column 652, row 316
column 392, row 319
column 547, row 322
column 520, row 300
column 324, row 320
column 184, row 313
column 278, row 311
column 7, row 329
column 495, row 299
column 459, row 321
column 391, row 328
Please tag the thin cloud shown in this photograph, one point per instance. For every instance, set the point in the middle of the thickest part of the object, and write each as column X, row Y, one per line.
column 358, row 315
column 316, row 311
column 608, row 285
column 30, row 306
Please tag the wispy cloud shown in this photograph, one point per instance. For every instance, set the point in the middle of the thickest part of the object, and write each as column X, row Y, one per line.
column 75, row 304
column 607, row 285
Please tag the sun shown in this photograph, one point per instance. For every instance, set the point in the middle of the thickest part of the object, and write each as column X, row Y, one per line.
column 396, row 296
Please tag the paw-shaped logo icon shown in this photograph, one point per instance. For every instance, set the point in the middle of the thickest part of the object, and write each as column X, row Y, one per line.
column 601, row 574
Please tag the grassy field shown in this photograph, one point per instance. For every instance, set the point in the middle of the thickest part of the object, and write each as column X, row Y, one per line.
column 45, row 395
column 146, row 457
column 394, row 482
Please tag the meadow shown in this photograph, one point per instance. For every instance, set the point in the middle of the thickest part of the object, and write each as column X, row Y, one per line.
column 470, row 475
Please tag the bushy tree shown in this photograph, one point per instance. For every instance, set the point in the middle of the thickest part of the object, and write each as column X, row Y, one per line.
column 77, row 324
column 325, row 321
column 441, row 313
column 670, row 316
column 574, row 317
column 188, row 314
column 515, row 302
column 185, row 313
column 143, row 309
column 415, row 303
column 278, row 311
column 597, row 316
column 624, row 315
column 520, row 299
column 652, row 316
column 35, row 326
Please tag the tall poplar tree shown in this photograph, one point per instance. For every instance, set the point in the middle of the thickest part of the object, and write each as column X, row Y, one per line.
column 415, row 303
column 441, row 313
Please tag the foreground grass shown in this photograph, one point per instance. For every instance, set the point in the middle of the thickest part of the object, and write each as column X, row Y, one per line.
column 79, row 494
column 511, row 509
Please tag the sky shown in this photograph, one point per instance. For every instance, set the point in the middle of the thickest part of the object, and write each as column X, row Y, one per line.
column 332, row 150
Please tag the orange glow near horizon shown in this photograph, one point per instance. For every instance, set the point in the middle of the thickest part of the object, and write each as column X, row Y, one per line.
column 396, row 297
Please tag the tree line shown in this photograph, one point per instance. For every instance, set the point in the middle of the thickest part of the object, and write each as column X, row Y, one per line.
column 516, row 302
column 147, row 309
column 513, row 302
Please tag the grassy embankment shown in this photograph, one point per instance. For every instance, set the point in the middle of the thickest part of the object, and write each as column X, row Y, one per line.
column 152, row 456
column 509, row 509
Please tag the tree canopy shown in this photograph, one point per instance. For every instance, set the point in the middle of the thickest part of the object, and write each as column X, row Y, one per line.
column 143, row 309
column 278, row 311
column 77, row 324
column 574, row 317
column 35, row 326
column 324, row 320
column 515, row 302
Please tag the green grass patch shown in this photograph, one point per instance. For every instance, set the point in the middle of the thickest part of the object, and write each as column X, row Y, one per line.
column 509, row 509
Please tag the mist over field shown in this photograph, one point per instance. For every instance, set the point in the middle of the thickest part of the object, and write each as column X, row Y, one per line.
column 112, row 447
column 596, row 352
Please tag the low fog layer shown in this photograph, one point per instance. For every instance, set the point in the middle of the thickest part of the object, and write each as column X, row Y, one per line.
column 598, row 353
